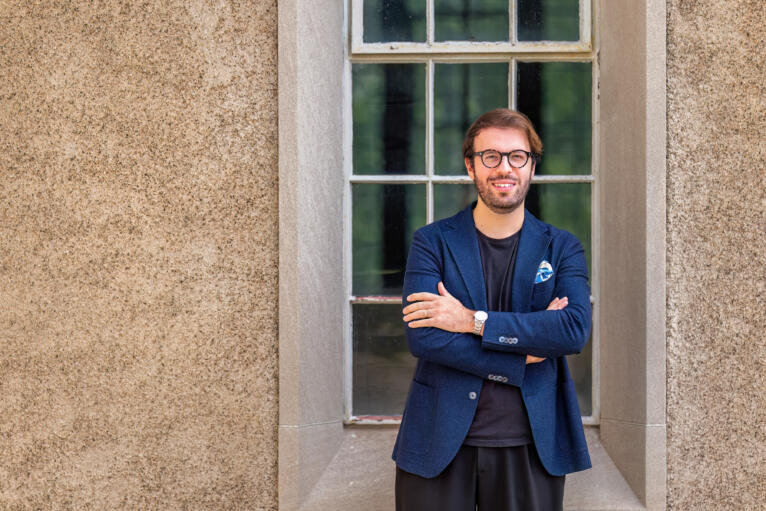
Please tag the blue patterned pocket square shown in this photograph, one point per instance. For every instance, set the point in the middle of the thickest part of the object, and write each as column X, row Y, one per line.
column 544, row 272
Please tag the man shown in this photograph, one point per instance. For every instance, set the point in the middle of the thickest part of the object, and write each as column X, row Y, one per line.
column 493, row 300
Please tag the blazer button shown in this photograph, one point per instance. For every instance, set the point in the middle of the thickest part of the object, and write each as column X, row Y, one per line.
column 472, row 395
column 505, row 379
column 513, row 340
column 502, row 339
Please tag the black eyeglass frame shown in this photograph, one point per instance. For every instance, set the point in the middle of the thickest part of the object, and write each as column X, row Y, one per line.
column 535, row 157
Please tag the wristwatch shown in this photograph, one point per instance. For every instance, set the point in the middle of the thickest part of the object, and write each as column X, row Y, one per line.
column 479, row 317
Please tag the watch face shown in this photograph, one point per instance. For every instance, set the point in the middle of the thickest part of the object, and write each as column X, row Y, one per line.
column 480, row 315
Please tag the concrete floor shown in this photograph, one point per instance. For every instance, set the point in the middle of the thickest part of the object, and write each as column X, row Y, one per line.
column 361, row 476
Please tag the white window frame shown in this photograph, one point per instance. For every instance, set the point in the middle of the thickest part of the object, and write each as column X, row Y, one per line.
column 359, row 47
column 430, row 53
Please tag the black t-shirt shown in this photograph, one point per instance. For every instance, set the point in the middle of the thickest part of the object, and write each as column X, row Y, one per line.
column 501, row 419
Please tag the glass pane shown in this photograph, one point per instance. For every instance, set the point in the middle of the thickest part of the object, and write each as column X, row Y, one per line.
column 564, row 205
column 384, row 219
column 548, row 20
column 383, row 366
column 471, row 20
column 567, row 206
column 394, row 20
column 580, row 367
column 462, row 92
column 557, row 98
column 389, row 110
column 449, row 199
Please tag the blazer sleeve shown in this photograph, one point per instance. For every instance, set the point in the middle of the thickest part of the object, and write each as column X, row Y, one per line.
column 461, row 351
column 547, row 333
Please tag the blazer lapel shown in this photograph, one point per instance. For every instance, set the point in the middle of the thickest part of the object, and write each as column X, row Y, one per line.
column 460, row 237
column 533, row 244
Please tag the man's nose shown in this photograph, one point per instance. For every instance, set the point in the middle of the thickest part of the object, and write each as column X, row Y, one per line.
column 505, row 163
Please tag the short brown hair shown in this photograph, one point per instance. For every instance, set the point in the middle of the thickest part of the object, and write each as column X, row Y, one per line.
column 503, row 118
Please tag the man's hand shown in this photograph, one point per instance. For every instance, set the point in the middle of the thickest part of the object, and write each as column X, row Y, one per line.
column 441, row 311
column 556, row 305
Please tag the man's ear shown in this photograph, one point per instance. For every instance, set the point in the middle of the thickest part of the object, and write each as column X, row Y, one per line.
column 469, row 167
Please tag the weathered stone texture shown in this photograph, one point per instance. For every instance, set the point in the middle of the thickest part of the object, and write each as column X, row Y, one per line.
column 138, row 255
column 716, row 254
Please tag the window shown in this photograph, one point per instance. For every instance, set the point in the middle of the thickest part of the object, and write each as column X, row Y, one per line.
column 420, row 72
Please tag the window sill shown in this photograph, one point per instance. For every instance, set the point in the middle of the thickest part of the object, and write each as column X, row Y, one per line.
column 362, row 473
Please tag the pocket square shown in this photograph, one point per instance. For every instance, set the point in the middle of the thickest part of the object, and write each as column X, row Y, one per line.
column 544, row 272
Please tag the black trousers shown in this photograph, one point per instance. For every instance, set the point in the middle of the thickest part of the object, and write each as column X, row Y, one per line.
column 484, row 479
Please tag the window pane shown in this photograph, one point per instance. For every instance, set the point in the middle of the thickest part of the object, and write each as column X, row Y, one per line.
column 557, row 98
column 566, row 206
column 462, row 92
column 580, row 367
column 449, row 199
column 389, row 111
column 384, row 219
column 548, row 20
column 471, row 20
column 394, row 20
column 383, row 365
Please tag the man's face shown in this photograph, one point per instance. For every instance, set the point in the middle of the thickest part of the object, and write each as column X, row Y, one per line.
column 503, row 188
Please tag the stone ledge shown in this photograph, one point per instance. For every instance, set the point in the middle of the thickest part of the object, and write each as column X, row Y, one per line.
column 361, row 476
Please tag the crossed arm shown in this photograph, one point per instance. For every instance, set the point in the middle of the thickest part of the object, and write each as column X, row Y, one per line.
column 440, row 327
column 445, row 312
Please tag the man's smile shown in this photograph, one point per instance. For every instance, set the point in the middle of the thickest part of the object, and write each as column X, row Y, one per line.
column 503, row 184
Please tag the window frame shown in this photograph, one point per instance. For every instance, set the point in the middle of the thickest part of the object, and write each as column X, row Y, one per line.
column 455, row 52
column 359, row 47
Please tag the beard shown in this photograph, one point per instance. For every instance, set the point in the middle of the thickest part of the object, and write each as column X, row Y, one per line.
column 498, row 201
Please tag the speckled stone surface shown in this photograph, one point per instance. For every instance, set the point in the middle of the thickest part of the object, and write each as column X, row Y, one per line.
column 716, row 200
column 138, row 255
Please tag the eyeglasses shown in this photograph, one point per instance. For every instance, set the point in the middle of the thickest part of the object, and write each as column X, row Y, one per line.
column 516, row 159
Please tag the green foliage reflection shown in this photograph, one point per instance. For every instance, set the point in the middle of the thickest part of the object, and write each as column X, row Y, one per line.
column 471, row 20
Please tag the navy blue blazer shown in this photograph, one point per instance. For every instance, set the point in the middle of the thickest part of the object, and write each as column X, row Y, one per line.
column 452, row 367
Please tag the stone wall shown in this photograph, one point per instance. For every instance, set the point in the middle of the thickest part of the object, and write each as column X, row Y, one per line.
column 139, row 252
column 716, row 179
column 138, row 255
